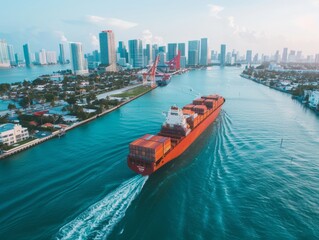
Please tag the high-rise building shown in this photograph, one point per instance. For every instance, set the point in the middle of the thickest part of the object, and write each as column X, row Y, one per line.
column 203, row 51
column 284, row 55
column 171, row 51
column 277, row 57
column 107, row 49
column 255, row 59
column 192, row 57
column 162, row 49
column 182, row 49
column 317, row 58
column 62, row 54
column 222, row 54
column 162, row 59
column 122, row 51
column 11, row 55
column 41, row 57
column 136, row 52
column 193, row 52
column 148, row 54
column 234, row 55
column 299, row 56
column 16, row 58
column 154, row 51
column 51, row 57
column 249, row 55
column 96, row 56
column 79, row 66
column 292, row 56
column 27, row 57
column 183, row 61
column 4, row 56
column 310, row 59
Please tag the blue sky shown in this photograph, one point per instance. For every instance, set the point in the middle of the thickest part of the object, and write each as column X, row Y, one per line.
column 260, row 25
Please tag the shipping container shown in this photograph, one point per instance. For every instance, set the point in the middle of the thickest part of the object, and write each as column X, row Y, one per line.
column 188, row 112
column 209, row 103
column 189, row 107
column 198, row 101
column 200, row 109
column 214, row 97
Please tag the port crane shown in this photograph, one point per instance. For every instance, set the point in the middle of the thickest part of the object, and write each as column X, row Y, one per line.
column 151, row 73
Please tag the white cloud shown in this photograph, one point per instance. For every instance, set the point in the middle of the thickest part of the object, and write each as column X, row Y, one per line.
column 147, row 37
column 94, row 40
column 110, row 22
column 242, row 31
column 61, row 36
column 231, row 21
column 215, row 10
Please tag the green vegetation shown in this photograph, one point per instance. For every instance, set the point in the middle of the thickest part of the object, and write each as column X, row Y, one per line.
column 6, row 147
column 133, row 92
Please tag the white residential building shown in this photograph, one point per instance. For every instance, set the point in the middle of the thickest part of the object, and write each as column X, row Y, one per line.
column 51, row 57
column 12, row 133
column 314, row 99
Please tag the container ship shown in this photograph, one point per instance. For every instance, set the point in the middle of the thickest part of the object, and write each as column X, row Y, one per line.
column 164, row 80
column 181, row 128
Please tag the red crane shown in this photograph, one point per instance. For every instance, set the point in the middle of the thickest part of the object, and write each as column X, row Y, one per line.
column 151, row 73
column 175, row 63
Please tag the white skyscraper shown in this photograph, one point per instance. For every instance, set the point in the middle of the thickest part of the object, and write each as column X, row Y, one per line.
column 51, row 57
column 41, row 57
column 11, row 55
column 4, row 56
column 77, row 58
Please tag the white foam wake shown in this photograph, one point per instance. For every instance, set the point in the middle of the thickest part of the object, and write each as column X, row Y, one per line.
column 100, row 218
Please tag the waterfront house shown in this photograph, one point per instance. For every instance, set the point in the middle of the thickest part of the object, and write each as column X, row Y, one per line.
column 314, row 99
column 47, row 125
column 70, row 119
column 12, row 133
column 40, row 87
column 33, row 123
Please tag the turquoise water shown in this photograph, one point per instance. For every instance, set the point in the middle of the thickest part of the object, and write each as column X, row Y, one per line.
column 4, row 104
column 19, row 74
column 234, row 182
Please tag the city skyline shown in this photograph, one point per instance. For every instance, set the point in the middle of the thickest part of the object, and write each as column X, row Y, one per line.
column 256, row 26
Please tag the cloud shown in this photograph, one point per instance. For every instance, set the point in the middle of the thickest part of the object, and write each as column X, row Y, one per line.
column 61, row 36
column 231, row 22
column 215, row 10
column 148, row 38
column 112, row 22
column 94, row 40
column 242, row 31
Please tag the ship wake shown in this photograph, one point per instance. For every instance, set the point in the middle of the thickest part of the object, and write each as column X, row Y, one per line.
column 98, row 221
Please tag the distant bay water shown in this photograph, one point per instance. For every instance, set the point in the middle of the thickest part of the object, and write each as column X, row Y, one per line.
column 19, row 74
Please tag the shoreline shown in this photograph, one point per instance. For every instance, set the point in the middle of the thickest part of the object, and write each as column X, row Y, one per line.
column 292, row 96
column 54, row 134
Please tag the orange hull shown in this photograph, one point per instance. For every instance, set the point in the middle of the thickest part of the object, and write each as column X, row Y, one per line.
column 178, row 149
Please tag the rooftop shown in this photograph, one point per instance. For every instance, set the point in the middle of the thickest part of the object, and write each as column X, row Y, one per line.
column 6, row 127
